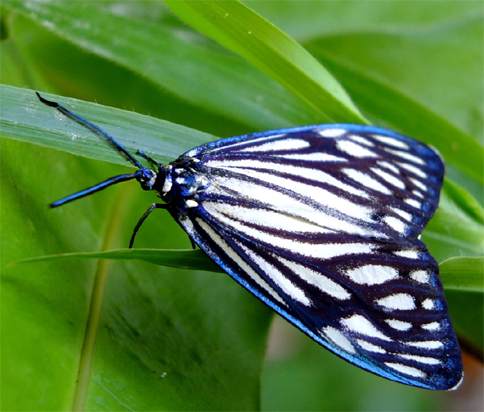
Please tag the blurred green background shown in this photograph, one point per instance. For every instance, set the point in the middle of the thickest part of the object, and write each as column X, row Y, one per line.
column 129, row 335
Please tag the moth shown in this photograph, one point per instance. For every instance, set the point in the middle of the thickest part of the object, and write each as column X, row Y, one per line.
column 322, row 223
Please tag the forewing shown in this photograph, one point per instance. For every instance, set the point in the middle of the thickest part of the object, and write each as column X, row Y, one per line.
column 379, row 306
column 358, row 180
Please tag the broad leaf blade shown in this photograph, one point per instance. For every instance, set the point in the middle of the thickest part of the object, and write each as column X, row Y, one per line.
column 25, row 118
column 246, row 33
column 463, row 274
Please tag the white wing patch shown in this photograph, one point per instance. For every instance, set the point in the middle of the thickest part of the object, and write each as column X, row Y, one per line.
column 314, row 157
column 389, row 166
column 234, row 146
column 389, row 178
column 432, row 326
column 415, row 170
column 406, row 370
column 428, row 304
column 372, row 274
column 399, row 325
column 333, row 132
column 395, row 224
column 338, row 339
column 430, row 344
column 421, row 359
column 370, row 347
column 360, row 324
column 264, row 218
column 397, row 301
column 401, row 213
column 420, row 276
column 282, row 281
column 412, row 202
column 240, row 262
column 353, row 149
column 366, row 180
column 409, row 253
column 278, row 145
column 416, row 192
column 391, row 141
column 406, row 156
column 317, row 279
column 361, row 140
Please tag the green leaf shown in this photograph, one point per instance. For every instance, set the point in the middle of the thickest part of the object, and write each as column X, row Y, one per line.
column 463, row 273
column 463, row 201
column 246, row 33
column 386, row 105
column 387, row 98
column 463, row 278
column 164, row 68
column 25, row 118
column 182, row 259
column 457, row 228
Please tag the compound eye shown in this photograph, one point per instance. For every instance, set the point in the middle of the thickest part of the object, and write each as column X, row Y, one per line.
column 147, row 179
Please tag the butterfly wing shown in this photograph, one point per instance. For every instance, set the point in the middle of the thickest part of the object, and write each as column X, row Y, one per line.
column 321, row 223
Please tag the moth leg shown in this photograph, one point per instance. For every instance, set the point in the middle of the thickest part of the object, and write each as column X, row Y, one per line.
column 145, row 215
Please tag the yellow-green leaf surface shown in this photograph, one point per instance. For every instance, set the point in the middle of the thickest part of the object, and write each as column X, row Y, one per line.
column 177, row 339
